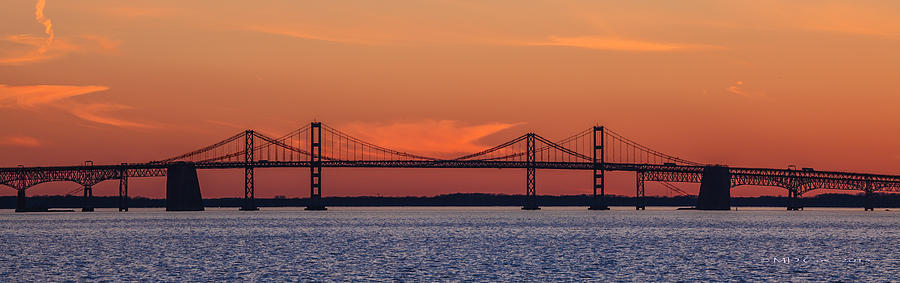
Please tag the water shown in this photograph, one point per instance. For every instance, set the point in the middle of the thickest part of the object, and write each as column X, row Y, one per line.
column 438, row 244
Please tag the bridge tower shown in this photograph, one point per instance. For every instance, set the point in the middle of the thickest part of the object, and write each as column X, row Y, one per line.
column 249, row 198
column 598, row 202
column 88, row 195
column 530, row 192
column 315, row 167
column 123, row 188
column 640, row 202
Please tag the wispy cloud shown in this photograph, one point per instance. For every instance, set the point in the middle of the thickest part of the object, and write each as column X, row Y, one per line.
column 314, row 36
column 227, row 124
column 40, row 45
column 48, row 26
column 98, row 43
column 738, row 88
column 428, row 136
column 21, row 141
column 97, row 113
column 620, row 44
column 35, row 95
column 57, row 96
column 588, row 42
column 850, row 17
column 125, row 10
column 27, row 48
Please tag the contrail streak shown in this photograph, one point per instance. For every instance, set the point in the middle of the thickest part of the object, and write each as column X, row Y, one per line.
column 48, row 26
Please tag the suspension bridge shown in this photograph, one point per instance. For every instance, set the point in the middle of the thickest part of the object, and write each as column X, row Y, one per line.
column 317, row 146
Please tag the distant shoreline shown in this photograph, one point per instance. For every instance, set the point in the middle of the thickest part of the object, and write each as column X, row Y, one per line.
column 474, row 199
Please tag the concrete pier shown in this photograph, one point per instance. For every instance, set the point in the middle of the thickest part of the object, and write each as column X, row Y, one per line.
column 183, row 188
column 715, row 189
column 794, row 201
column 21, row 205
column 869, row 204
column 531, row 203
column 316, row 203
column 88, row 195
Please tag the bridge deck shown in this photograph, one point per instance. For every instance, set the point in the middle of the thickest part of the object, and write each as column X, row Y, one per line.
column 651, row 172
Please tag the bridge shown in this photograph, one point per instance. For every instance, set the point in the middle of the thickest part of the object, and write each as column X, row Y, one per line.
column 317, row 146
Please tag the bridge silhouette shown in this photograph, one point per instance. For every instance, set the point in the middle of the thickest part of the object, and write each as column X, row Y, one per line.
column 317, row 146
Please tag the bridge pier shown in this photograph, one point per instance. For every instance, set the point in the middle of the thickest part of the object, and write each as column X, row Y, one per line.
column 316, row 203
column 88, row 195
column 598, row 202
column 315, row 189
column 183, row 188
column 715, row 189
column 794, row 201
column 21, row 205
column 530, row 193
column 640, row 202
column 249, row 191
column 123, row 189
column 869, row 203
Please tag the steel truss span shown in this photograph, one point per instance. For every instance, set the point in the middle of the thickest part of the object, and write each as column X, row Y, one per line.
column 318, row 145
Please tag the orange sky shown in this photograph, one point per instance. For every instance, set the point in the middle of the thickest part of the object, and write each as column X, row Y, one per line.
column 746, row 83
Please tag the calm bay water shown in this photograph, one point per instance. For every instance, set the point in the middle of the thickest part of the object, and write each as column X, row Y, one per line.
column 436, row 244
